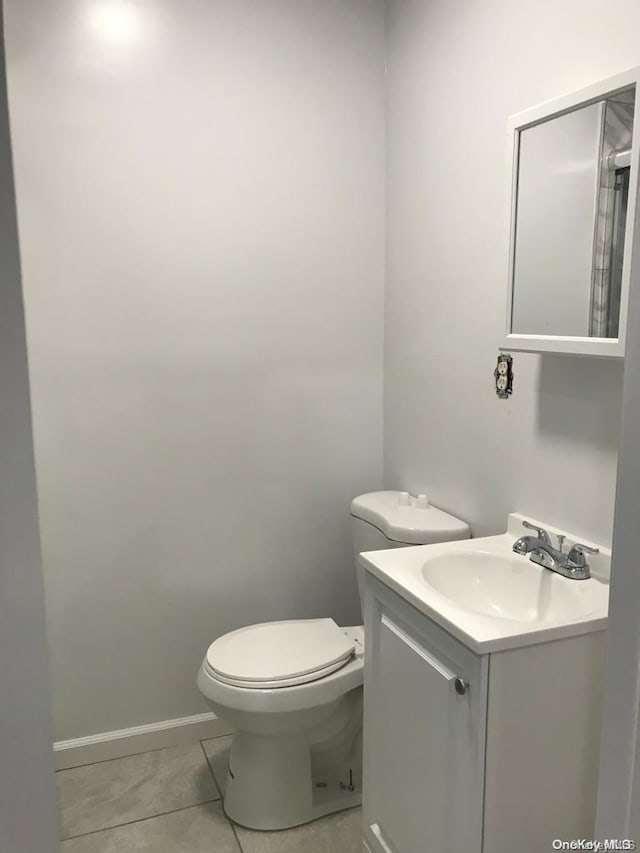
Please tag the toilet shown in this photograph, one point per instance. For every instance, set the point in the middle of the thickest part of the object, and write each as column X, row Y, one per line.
column 292, row 690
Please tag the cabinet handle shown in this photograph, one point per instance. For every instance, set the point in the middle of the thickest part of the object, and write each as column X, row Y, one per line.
column 377, row 834
column 461, row 686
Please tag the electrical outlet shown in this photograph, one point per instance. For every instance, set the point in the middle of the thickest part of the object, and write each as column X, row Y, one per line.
column 503, row 375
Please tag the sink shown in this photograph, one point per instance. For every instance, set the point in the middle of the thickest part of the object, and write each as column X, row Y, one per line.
column 490, row 598
column 508, row 586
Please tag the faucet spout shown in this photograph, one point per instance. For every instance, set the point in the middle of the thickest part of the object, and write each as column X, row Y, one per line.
column 526, row 544
column 572, row 565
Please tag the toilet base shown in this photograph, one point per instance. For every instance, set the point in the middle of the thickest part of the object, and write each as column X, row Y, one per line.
column 270, row 782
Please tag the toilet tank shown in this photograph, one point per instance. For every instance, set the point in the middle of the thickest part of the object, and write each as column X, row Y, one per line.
column 381, row 520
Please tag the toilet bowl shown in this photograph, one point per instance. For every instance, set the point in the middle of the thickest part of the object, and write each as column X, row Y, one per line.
column 296, row 752
column 292, row 690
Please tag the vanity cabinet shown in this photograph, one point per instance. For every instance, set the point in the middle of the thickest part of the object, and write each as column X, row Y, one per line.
column 475, row 753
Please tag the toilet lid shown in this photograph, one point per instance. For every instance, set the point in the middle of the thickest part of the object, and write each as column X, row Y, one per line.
column 279, row 654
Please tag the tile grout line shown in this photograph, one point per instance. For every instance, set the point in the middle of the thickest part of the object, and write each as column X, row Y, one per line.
column 138, row 820
column 213, row 775
column 230, row 822
column 118, row 758
column 235, row 835
column 134, row 754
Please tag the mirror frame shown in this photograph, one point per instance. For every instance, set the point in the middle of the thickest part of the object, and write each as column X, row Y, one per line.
column 608, row 347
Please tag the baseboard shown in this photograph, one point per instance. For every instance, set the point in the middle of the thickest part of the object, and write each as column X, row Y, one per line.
column 102, row 747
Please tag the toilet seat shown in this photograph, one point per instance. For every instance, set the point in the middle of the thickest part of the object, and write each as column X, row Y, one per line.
column 287, row 700
column 279, row 654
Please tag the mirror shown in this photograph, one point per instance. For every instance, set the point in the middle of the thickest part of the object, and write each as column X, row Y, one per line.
column 572, row 198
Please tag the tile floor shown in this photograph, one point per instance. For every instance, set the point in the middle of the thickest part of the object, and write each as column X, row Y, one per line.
column 169, row 801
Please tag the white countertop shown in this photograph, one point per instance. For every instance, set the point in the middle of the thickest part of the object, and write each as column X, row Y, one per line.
column 403, row 570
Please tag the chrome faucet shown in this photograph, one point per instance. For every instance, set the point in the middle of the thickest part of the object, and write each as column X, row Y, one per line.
column 571, row 565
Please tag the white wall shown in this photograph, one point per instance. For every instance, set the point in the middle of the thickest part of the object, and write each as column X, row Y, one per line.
column 200, row 203
column 28, row 807
column 200, row 198
column 456, row 72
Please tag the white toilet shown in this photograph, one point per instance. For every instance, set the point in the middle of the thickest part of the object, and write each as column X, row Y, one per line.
column 293, row 690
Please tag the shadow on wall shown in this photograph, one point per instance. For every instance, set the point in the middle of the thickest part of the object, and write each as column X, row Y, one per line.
column 580, row 400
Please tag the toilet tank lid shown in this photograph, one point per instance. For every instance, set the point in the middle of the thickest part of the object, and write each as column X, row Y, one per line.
column 408, row 523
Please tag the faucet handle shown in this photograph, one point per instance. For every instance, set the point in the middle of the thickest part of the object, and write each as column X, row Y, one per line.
column 542, row 533
column 577, row 555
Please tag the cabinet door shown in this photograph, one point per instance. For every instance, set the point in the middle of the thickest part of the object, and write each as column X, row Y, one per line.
column 423, row 785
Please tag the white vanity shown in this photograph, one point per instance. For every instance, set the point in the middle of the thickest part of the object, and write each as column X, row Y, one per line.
column 483, row 698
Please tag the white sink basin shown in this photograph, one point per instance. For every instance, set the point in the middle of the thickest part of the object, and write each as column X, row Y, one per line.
column 490, row 598
column 508, row 587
